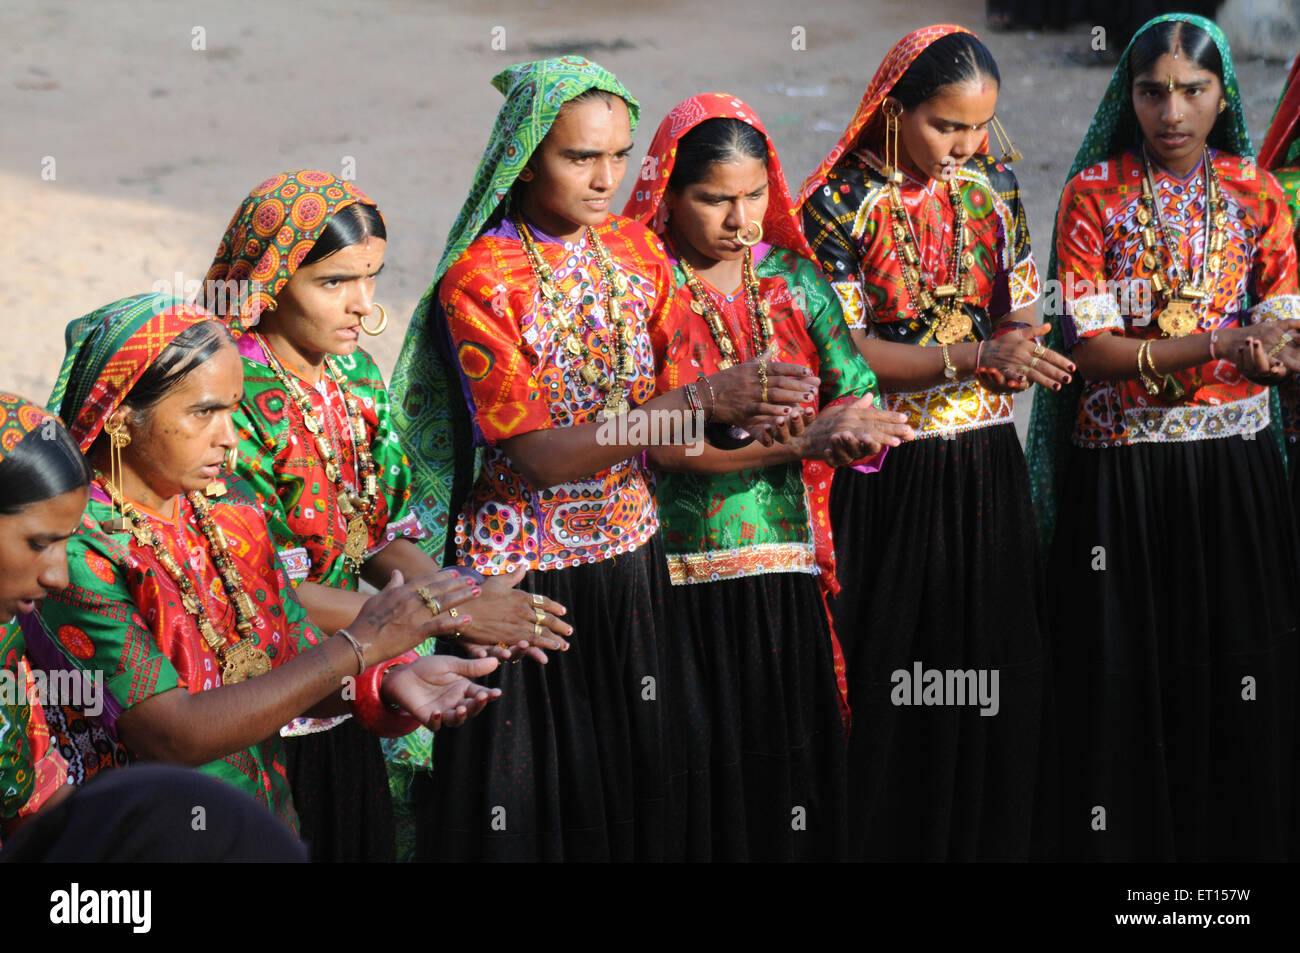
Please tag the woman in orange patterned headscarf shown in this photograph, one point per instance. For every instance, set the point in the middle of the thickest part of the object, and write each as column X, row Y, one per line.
column 925, row 242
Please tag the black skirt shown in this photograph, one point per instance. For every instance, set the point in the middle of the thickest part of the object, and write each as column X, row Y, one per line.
column 942, row 624
column 1173, row 580
column 589, row 757
column 777, row 738
column 340, row 790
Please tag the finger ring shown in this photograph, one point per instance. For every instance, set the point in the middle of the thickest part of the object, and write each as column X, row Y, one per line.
column 452, row 612
column 1281, row 344
column 1030, row 365
column 537, row 630
column 430, row 601
column 537, row 600
column 502, row 645
column 539, row 616
column 1039, row 350
column 762, row 378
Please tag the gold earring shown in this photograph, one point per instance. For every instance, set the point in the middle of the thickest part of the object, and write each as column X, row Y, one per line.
column 118, row 437
column 526, row 174
column 383, row 322
column 1010, row 153
column 1223, row 104
column 893, row 109
column 272, row 306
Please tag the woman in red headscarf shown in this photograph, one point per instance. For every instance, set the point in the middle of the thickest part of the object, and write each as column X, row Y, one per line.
column 740, row 526
column 924, row 239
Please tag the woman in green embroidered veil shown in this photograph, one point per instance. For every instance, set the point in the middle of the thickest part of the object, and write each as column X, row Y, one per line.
column 544, row 307
column 1159, row 487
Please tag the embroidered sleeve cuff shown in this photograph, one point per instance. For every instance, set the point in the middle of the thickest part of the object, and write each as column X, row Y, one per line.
column 1277, row 308
column 1090, row 316
column 1025, row 286
column 297, row 564
column 408, row 526
column 850, row 295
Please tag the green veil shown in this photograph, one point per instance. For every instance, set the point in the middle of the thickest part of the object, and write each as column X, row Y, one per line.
column 1114, row 128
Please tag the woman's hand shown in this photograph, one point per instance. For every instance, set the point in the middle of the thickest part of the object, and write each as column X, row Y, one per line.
column 848, row 432
column 1248, row 347
column 437, row 689
column 1015, row 360
column 739, row 396
column 509, row 623
column 396, row 619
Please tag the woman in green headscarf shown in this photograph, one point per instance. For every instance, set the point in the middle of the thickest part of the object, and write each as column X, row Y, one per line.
column 549, row 304
column 177, row 598
column 1174, row 536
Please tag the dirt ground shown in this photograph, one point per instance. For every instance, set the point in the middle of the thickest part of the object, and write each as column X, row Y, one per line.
column 130, row 131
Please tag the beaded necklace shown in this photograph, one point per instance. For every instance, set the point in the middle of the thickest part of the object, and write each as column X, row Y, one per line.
column 240, row 659
column 554, row 302
column 1182, row 293
column 760, row 321
column 355, row 507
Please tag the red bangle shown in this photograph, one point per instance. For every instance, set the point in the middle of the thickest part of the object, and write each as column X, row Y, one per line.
column 979, row 349
column 369, row 709
column 1009, row 327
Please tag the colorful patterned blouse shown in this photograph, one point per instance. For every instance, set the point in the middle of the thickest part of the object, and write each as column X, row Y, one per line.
column 1106, row 288
column 519, row 378
column 1289, row 390
column 755, row 521
column 17, row 772
column 279, row 460
column 848, row 223
column 121, row 614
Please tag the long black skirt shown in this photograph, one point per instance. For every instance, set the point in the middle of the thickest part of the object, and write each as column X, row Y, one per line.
column 1173, row 582
column 595, row 756
column 777, row 737
column 941, row 619
column 340, row 790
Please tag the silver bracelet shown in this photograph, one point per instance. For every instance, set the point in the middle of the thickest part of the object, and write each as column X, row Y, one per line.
column 356, row 647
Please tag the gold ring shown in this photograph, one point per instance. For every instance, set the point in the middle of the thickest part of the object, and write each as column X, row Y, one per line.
column 383, row 322
column 537, row 630
column 1281, row 344
column 1039, row 350
column 1030, row 365
column 452, row 612
column 502, row 645
column 537, row 600
column 753, row 227
column 762, row 377
column 539, row 616
column 430, row 601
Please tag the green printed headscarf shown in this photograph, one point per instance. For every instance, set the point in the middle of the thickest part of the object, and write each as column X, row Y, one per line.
column 1114, row 129
column 429, row 407
column 429, row 410
column 107, row 352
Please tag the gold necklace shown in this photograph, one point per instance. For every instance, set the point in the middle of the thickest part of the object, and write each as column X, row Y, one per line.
column 240, row 659
column 942, row 306
column 553, row 302
column 760, row 321
column 355, row 507
column 1182, row 293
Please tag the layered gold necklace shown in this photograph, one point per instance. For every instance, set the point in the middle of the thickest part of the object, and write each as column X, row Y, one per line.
column 554, row 302
column 355, row 506
column 240, row 659
column 1182, row 293
column 760, row 321
column 942, row 306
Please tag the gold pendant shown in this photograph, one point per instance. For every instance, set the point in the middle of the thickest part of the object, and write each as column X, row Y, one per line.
column 242, row 661
column 615, row 404
column 358, row 536
column 332, row 473
column 698, row 308
column 309, row 421
column 1177, row 319
column 953, row 327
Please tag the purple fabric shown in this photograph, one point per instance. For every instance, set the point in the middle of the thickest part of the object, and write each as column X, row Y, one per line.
column 45, row 654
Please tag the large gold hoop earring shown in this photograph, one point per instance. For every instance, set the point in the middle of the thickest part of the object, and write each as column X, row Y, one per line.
column 753, row 227
column 383, row 322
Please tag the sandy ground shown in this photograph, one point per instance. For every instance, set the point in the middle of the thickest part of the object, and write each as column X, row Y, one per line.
column 153, row 143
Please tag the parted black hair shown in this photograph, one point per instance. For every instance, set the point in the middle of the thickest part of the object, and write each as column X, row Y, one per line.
column 955, row 58
column 46, row 463
column 714, row 140
column 192, row 347
column 348, row 226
